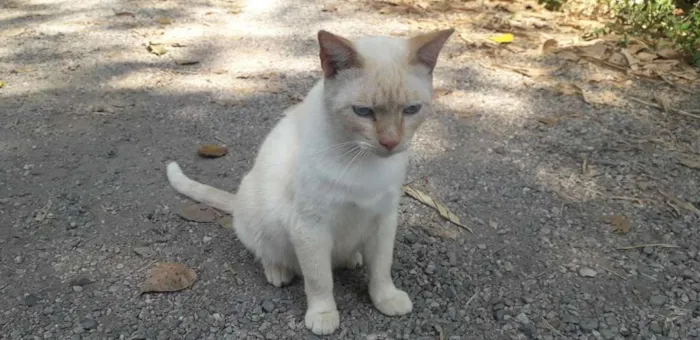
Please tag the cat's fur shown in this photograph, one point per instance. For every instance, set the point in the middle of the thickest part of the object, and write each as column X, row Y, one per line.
column 325, row 186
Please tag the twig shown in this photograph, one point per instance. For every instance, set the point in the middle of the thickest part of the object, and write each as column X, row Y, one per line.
column 471, row 299
column 614, row 273
column 625, row 198
column 659, row 245
column 220, row 140
column 680, row 202
column 676, row 111
column 551, row 328
column 148, row 265
column 497, row 250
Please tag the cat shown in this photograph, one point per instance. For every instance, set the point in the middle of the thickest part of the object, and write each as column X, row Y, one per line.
column 324, row 190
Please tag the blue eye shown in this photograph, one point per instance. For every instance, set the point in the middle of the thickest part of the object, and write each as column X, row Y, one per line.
column 362, row 111
column 411, row 109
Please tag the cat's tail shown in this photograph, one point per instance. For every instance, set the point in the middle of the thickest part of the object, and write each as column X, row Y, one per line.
column 199, row 192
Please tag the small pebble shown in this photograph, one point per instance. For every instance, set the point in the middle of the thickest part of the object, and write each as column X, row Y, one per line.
column 120, row 266
column 587, row 272
column 77, row 289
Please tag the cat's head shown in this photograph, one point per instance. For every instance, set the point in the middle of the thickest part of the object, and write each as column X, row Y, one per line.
column 378, row 90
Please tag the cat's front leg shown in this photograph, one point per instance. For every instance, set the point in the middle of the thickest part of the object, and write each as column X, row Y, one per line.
column 378, row 253
column 313, row 246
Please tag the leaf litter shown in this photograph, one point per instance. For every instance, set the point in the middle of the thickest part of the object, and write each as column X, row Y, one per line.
column 197, row 212
column 435, row 204
column 212, row 151
column 168, row 277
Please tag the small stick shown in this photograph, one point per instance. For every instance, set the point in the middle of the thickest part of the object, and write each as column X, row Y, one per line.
column 551, row 328
column 148, row 265
column 676, row 111
column 614, row 273
column 660, row 245
column 471, row 299
column 220, row 140
column 497, row 250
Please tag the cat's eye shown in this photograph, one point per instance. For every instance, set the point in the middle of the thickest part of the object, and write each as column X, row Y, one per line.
column 411, row 109
column 362, row 111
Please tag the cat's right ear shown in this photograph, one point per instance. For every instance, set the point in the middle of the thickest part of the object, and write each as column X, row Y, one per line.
column 337, row 53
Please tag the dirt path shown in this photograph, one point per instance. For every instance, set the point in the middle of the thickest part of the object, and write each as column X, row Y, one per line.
column 88, row 118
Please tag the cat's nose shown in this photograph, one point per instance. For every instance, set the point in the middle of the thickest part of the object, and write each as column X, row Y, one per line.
column 389, row 143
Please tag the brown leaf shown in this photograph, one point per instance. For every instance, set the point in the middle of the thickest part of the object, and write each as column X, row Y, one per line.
column 441, row 92
column 679, row 202
column 663, row 102
column 164, row 21
column 596, row 77
column 125, row 14
column 668, row 53
column 568, row 55
column 197, row 212
column 212, row 150
column 631, row 61
column 692, row 162
column 187, row 62
column 596, row 51
column 526, row 71
column 685, row 75
column 601, row 98
column 569, row 89
column 645, row 56
column 549, row 46
column 619, row 223
column 550, row 121
column 169, row 277
column 429, row 201
column 618, row 58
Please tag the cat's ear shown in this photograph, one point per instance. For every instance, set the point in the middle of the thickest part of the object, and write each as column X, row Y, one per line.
column 337, row 53
column 425, row 48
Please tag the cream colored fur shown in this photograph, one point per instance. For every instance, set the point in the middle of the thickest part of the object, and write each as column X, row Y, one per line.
column 324, row 190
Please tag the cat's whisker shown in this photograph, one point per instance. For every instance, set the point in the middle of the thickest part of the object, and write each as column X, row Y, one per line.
column 332, row 147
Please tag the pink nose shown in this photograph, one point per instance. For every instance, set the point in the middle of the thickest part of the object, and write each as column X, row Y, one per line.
column 389, row 143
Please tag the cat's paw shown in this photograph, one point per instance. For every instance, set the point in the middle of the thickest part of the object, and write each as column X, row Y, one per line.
column 322, row 322
column 278, row 276
column 392, row 302
column 355, row 261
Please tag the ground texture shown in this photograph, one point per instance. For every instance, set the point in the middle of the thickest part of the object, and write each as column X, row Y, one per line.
column 89, row 117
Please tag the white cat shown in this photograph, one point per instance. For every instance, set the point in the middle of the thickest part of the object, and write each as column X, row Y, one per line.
column 325, row 187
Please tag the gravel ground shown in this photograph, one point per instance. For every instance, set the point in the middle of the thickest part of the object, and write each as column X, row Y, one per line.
column 89, row 118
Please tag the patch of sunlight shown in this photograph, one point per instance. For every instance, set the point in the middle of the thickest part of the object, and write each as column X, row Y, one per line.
column 430, row 141
column 257, row 7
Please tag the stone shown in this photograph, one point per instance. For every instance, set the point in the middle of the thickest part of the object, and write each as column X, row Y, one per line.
column 31, row 300
column 657, row 300
column 77, row 289
column 587, row 272
column 88, row 323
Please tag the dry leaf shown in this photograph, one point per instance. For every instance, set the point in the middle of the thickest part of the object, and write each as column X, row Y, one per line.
column 212, row 150
column 226, row 222
column 596, row 51
column 187, row 62
column 618, row 58
column 663, row 102
column 685, row 75
column 125, row 14
column 596, row 77
column 691, row 162
column 620, row 224
column 169, row 277
column 631, row 61
column 683, row 204
column 164, row 21
column 601, row 98
column 429, row 201
column 157, row 49
column 549, row 46
column 646, row 56
column 668, row 53
column 550, row 121
column 502, row 38
column 568, row 55
column 440, row 92
column 569, row 89
column 1, row 84
column 197, row 212
column 530, row 72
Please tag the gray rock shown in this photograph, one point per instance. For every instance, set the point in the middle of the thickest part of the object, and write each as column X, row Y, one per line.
column 77, row 289
column 522, row 318
column 31, row 300
column 587, row 272
column 88, row 323
column 268, row 306
column 145, row 252
column 657, row 300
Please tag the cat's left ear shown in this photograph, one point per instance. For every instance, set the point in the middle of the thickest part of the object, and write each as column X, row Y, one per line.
column 425, row 48
column 337, row 53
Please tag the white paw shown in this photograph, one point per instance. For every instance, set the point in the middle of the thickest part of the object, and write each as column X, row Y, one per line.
column 322, row 322
column 355, row 261
column 393, row 302
column 278, row 276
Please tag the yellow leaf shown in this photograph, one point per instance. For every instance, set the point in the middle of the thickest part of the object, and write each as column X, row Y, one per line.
column 429, row 201
column 169, row 277
column 164, row 21
column 226, row 222
column 1, row 84
column 157, row 49
column 212, row 150
column 502, row 39
column 619, row 223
